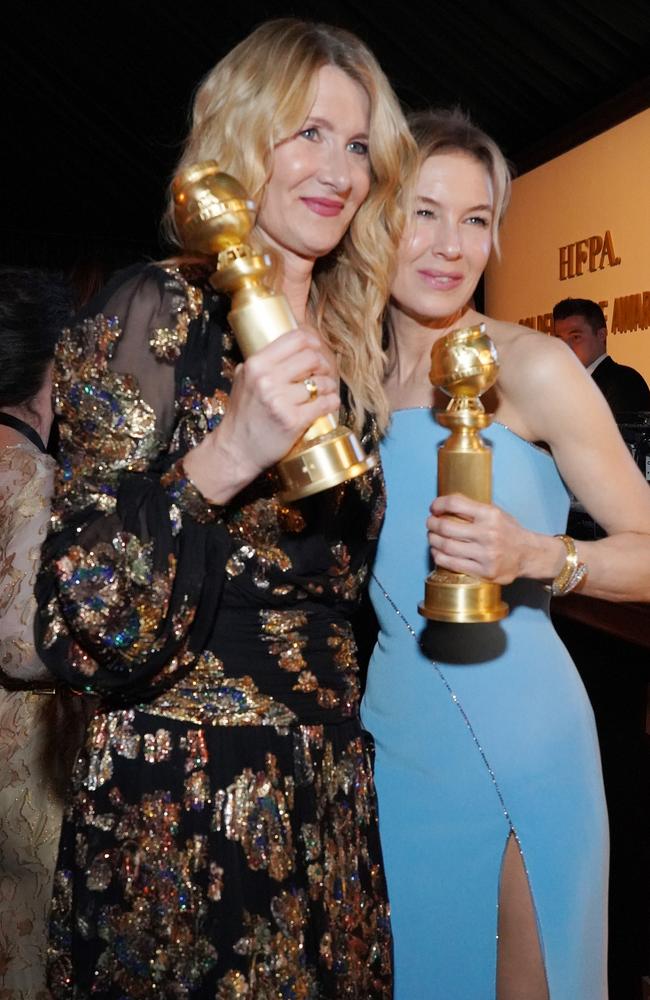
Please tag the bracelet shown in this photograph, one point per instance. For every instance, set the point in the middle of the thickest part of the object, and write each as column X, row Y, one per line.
column 572, row 573
column 185, row 494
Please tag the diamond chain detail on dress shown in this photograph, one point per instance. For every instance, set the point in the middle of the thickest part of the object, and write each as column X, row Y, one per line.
column 465, row 717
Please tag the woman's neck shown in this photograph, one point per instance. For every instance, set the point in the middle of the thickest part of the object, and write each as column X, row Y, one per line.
column 412, row 341
column 37, row 412
column 294, row 276
column 296, row 284
column 25, row 416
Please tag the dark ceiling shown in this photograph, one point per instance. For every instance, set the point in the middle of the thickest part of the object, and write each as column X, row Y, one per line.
column 95, row 95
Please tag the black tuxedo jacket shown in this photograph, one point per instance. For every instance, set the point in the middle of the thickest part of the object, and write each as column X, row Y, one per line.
column 624, row 388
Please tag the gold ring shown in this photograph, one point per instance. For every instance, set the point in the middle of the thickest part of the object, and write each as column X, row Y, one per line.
column 311, row 388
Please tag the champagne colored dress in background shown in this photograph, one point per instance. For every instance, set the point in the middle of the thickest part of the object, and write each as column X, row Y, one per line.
column 30, row 811
column 481, row 731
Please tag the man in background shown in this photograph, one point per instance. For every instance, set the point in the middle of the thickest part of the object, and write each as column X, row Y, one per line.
column 580, row 323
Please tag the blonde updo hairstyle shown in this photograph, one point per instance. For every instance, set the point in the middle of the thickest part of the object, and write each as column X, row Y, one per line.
column 259, row 95
column 450, row 130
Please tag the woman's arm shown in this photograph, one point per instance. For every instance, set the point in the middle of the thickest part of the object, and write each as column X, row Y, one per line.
column 130, row 545
column 134, row 565
column 560, row 405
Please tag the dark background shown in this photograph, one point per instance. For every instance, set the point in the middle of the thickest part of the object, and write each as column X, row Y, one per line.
column 95, row 96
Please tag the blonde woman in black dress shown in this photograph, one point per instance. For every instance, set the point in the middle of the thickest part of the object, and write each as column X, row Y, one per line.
column 221, row 838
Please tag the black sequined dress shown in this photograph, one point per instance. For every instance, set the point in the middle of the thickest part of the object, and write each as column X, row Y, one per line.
column 220, row 839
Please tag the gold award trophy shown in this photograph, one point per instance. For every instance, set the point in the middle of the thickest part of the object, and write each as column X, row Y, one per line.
column 464, row 364
column 214, row 217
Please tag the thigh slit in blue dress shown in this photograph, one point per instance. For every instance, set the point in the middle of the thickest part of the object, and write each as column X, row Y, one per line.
column 481, row 731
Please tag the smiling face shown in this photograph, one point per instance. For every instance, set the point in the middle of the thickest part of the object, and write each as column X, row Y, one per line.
column 576, row 331
column 446, row 247
column 321, row 175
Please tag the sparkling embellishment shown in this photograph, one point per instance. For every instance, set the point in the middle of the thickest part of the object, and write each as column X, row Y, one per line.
column 457, row 703
column 221, row 835
column 187, row 302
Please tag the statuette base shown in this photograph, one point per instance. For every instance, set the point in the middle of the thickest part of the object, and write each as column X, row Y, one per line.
column 318, row 464
column 456, row 597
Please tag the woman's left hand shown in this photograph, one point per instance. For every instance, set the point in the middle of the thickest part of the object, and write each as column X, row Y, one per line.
column 479, row 539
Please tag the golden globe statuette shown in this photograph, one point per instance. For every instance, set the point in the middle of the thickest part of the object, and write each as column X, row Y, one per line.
column 214, row 217
column 464, row 364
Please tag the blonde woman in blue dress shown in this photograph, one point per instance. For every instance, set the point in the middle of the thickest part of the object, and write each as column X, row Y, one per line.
column 492, row 813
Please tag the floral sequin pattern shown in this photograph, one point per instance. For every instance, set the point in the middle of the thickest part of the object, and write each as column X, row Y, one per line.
column 109, row 735
column 255, row 812
column 155, row 943
column 197, row 415
column 346, row 583
column 356, row 944
column 281, row 631
column 208, row 697
column 105, row 425
column 220, row 838
column 257, row 529
column 277, row 950
column 371, row 485
column 343, row 645
column 155, row 907
column 116, row 596
column 186, row 302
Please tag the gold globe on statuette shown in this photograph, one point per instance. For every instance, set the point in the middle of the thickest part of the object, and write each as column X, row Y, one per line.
column 214, row 217
column 464, row 365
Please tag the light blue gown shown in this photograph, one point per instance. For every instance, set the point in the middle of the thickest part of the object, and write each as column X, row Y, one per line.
column 488, row 732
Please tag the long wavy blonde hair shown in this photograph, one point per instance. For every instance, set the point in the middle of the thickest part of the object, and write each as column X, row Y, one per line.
column 260, row 94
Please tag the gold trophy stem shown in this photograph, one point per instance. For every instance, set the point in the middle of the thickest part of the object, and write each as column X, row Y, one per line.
column 464, row 466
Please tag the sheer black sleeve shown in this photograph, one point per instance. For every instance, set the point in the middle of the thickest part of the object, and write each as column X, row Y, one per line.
column 134, row 562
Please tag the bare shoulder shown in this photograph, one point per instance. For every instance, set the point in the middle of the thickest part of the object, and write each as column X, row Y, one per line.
column 541, row 383
column 529, row 359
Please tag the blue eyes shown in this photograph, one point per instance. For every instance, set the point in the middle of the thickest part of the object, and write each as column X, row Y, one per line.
column 357, row 147
column 360, row 148
column 473, row 220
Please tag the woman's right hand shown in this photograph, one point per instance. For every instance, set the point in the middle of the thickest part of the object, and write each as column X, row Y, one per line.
column 268, row 410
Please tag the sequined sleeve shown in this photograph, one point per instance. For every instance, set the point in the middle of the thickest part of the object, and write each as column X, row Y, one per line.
column 134, row 560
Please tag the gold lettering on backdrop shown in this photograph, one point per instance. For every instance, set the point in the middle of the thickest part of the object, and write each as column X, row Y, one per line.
column 566, row 264
column 595, row 247
column 542, row 323
column 608, row 251
column 594, row 251
column 582, row 256
column 630, row 312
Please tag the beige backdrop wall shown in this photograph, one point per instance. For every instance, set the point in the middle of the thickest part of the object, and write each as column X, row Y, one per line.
column 588, row 210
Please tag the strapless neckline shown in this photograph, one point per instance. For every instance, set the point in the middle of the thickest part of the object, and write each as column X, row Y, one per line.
column 495, row 423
